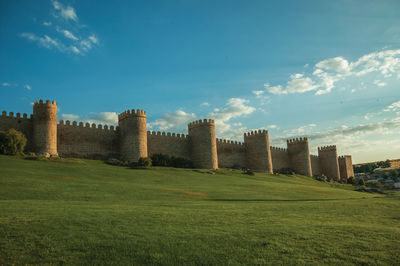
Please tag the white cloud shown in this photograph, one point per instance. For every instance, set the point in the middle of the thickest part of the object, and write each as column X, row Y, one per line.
column 93, row 39
column 105, row 118
column 332, row 70
column 85, row 45
column 176, row 121
column 379, row 83
column 205, row 104
column 44, row 41
column 337, row 64
column 6, row 84
column 274, row 89
column 272, row 126
column 300, row 130
column 73, row 42
column 235, row 107
column 393, row 107
column 258, row 92
column 69, row 35
column 28, row 87
column 299, row 84
column 75, row 50
column 67, row 12
column 70, row 117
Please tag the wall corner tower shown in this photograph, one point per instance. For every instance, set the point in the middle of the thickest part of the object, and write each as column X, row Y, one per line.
column 299, row 156
column 133, row 135
column 258, row 152
column 45, row 128
column 203, row 144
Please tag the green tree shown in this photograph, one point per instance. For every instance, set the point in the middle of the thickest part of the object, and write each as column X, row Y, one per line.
column 12, row 142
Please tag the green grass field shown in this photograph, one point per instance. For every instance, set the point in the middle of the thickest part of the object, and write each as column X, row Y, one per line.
column 88, row 212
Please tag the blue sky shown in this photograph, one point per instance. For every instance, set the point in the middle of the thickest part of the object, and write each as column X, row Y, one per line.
column 329, row 70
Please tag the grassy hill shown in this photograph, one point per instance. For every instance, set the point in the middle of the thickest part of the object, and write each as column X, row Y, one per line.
column 82, row 211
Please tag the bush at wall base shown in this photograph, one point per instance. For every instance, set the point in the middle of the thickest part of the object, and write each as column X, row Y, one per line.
column 12, row 142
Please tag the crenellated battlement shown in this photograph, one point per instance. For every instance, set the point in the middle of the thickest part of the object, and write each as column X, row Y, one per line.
column 201, row 122
column 229, row 142
column 278, row 149
column 297, row 141
column 314, row 156
column 131, row 113
column 17, row 115
column 68, row 123
column 327, row 148
column 344, row 156
column 167, row 134
column 256, row 133
column 47, row 103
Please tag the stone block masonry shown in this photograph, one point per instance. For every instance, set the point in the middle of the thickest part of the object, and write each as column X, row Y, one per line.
column 130, row 141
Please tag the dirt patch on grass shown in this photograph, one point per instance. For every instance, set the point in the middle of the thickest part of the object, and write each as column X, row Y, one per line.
column 189, row 193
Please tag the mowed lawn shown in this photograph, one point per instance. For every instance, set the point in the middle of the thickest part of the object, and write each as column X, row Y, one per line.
column 87, row 212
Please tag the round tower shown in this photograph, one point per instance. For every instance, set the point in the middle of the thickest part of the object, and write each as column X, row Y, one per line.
column 133, row 135
column 258, row 151
column 203, row 144
column 299, row 156
column 45, row 128
column 329, row 161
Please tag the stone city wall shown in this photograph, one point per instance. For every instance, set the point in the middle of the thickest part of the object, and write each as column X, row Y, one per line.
column 280, row 158
column 20, row 123
column 315, row 165
column 230, row 153
column 171, row 144
column 87, row 141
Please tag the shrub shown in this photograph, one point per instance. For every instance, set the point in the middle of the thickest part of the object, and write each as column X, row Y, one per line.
column 321, row 178
column 144, row 162
column 164, row 160
column 179, row 162
column 373, row 184
column 159, row 159
column 351, row 180
column 12, row 142
column 361, row 182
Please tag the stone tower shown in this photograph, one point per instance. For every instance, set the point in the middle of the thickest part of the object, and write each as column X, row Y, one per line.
column 346, row 167
column 45, row 128
column 258, row 152
column 329, row 161
column 203, row 144
column 299, row 156
column 133, row 135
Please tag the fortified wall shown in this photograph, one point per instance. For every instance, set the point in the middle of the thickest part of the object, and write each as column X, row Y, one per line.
column 130, row 141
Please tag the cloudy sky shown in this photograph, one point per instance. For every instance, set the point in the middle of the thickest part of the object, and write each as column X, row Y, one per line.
column 328, row 70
